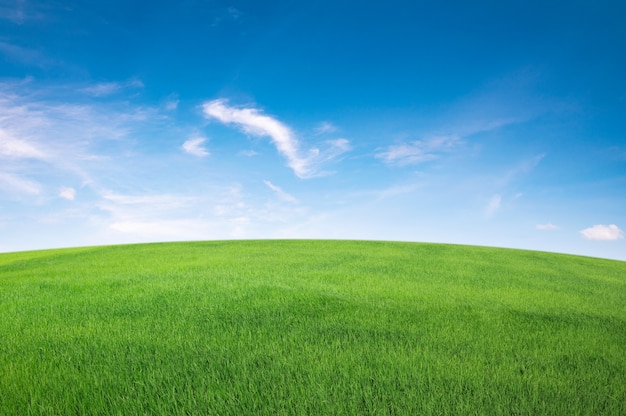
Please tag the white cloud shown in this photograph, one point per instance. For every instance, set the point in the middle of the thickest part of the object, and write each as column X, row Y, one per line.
column 253, row 122
column 419, row 151
column 15, row 183
column 281, row 194
column 493, row 206
column 194, row 147
column 603, row 232
column 548, row 226
column 54, row 125
column 68, row 193
column 16, row 148
column 31, row 114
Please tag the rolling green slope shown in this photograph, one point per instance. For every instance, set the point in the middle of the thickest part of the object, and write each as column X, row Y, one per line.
column 310, row 327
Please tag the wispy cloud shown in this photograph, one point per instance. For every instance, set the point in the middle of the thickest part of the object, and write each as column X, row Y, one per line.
column 234, row 12
column 147, row 215
column 281, row 194
column 253, row 122
column 55, row 126
column 506, row 101
column 419, row 151
column 522, row 168
column 104, row 89
column 15, row 183
column 221, row 213
column 495, row 107
column 14, row 14
column 157, row 202
column 27, row 56
column 388, row 192
column 194, row 146
column 500, row 185
column 229, row 14
column 325, row 127
column 160, row 229
column 19, row 11
column 603, row 232
column 493, row 206
column 171, row 104
column 248, row 153
column 548, row 226
column 18, row 148
column 334, row 149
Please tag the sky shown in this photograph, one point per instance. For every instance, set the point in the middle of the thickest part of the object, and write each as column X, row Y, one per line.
column 488, row 122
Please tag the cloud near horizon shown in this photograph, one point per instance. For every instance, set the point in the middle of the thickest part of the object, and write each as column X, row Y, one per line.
column 281, row 194
column 603, row 232
column 253, row 122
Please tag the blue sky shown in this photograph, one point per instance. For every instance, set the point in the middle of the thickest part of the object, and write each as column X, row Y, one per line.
column 489, row 123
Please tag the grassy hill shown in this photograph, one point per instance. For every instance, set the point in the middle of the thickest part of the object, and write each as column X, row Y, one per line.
column 311, row 327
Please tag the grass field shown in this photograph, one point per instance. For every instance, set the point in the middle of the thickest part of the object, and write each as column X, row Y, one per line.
column 310, row 327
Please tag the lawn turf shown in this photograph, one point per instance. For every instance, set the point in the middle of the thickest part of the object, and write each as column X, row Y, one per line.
column 310, row 327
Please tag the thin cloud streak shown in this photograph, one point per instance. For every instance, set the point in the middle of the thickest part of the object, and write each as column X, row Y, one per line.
column 325, row 127
column 17, row 184
column 419, row 151
column 523, row 168
column 546, row 227
column 493, row 206
column 257, row 124
column 68, row 135
column 281, row 194
column 253, row 122
column 109, row 88
column 15, row 148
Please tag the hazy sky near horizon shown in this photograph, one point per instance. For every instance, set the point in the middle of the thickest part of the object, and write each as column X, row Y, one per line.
column 491, row 123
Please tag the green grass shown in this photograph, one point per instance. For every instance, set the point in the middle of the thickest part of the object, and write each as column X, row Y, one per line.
column 310, row 327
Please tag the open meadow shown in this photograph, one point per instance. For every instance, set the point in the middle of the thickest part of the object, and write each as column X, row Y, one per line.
column 310, row 327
